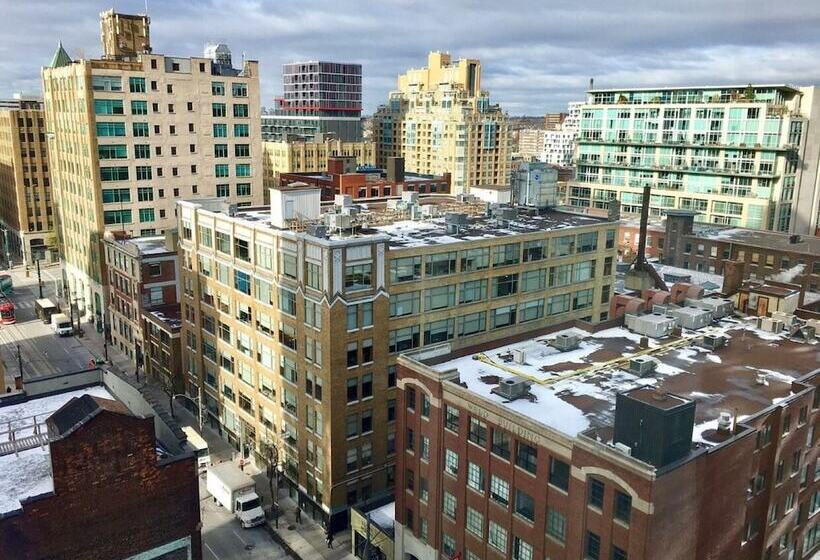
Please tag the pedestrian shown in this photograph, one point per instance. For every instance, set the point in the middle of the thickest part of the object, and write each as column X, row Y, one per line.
column 298, row 514
column 242, row 465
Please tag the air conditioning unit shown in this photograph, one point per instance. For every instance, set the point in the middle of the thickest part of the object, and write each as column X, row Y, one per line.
column 622, row 447
column 317, row 230
column 712, row 341
column 338, row 221
column 519, row 355
column 565, row 342
column 642, row 366
column 512, row 388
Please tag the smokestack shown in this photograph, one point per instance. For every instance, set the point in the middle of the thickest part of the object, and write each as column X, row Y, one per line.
column 733, row 272
column 591, row 83
column 640, row 261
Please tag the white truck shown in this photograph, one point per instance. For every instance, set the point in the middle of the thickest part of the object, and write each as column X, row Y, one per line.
column 235, row 491
column 61, row 324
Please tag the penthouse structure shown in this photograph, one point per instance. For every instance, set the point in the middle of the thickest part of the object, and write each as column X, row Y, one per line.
column 156, row 128
column 293, row 316
column 319, row 98
column 604, row 442
column 738, row 155
column 26, row 204
column 441, row 121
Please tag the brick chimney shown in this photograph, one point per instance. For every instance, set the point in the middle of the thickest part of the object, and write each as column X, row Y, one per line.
column 733, row 274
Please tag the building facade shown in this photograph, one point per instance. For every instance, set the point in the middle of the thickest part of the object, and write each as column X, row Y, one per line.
column 142, row 276
column 129, row 135
column 440, row 121
column 741, row 156
column 307, row 157
column 559, row 142
column 26, row 206
column 530, row 143
column 319, row 98
column 162, row 344
column 511, row 450
column 293, row 337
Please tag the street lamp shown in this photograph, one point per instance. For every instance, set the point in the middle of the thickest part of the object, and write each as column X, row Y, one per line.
column 197, row 402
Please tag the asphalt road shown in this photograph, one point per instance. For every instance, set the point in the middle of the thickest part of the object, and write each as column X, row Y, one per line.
column 224, row 539
column 42, row 352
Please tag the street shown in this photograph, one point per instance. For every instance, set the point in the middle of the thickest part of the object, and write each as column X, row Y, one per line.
column 42, row 353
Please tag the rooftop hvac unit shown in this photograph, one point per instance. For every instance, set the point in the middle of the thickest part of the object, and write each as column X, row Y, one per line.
column 343, row 200
column 641, row 366
column 505, row 213
column 393, row 203
column 338, row 221
column 512, row 388
column 519, row 355
column 456, row 218
column 350, row 210
column 414, row 211
column 770, row 325
column 465, row 198
column 317, row 230
column 410, row 197
column 803, row 332
column 429, row 210
column 713, row 341
column 622, row 447
column 565, row 342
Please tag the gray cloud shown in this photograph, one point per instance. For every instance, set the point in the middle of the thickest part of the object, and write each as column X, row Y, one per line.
column 537, row 56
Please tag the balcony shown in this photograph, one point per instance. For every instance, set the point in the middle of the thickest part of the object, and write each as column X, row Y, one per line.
column 689, row 169
column 682, row 144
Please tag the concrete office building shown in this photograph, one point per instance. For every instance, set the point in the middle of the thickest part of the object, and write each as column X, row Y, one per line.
column 439, row 120
column 26, row 208
column 553, row 121
column 133, row 132
column 739, row 155
column 530, row 143
column 293, row 318
column 319, row 98
column 559, row 143
column 598, row 444
column 307, row 157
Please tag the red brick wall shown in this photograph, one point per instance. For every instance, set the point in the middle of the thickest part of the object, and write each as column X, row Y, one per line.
column 111, row 498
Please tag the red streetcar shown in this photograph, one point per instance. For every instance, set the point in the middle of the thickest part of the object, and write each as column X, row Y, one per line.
column 6, row 311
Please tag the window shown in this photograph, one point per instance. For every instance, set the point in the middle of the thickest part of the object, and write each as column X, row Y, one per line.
column 596, row 493
column 526, row 457
column 287, row 301
column 108, row 107
column 450, row 462
column 410, row 395
column 475, row 477
column 587, row 242
column 563, row 246
column 503, row 317
column 221, row 170
column 556, row 524
column 117, row 217
column 146, row 214
column 242, row 150
column 142, row 151
column 535, row 250
column 472, row 323
column 618, row 554
column 220, row 130
column 531, row 310
column 592, row 548
column 582, row 299
column 403, row 339
column 240, row 110
column 440, row 297
column 506, row 255
column 218, row 110
column 241, row 130
column 405, row 269
column 584, row 271
column 140, row 129
column 499, row 490
column 623, row 506
column 116, row 195
column 475, row 522
column 533, row 280
column 448, row 545
column 358, row 276
column 524, row 505
column 440, row 264
column 239, row 89
column 560, row 275
column 478, row 432
column 451, row 418
column 474, row 290
column 449, row 505
column 113, row 173
column 505, row 285
column 404, row 304
column 497, row 537
column 242, row 281
column 220, row 150
column 146, row 194
column 110, row 129
column 559, row 474
column 521, row 550
column 136, row 85
column 243, row 169
column 475, row 259
column 425, row 406
column 217, row 88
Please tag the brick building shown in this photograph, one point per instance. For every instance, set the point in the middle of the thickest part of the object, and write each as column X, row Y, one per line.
column 162, row 345
column 142, row 275
column 764, row 253
column 345, row 177
column 94, row 488
column 596, row 444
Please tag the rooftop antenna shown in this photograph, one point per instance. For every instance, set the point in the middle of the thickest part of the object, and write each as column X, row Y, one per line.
column 146, row 7
column 591, row 80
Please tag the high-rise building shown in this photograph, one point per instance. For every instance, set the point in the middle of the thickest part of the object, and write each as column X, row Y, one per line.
column 619, row 444
column 319, row 98
column 293, row 319
column 530, row 143
column 26, row 209
column 738, row 155
column 553, row 121
column 132, row 133
column 441, row 121
column 559, row 142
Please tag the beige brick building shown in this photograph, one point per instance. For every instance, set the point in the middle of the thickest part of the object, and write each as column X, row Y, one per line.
column 441, row 121
column 292, row 332
column 26, row 210
column 305, row 157
column 134, row 132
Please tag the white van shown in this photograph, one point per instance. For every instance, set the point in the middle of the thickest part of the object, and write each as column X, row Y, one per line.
column 199, row 446
column 62, row 324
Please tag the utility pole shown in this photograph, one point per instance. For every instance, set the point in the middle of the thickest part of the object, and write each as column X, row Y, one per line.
column 39, row 279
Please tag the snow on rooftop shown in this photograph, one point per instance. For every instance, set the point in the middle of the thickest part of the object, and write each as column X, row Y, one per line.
column 384, row 516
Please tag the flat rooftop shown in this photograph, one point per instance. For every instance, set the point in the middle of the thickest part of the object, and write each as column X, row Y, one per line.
column 168, row 315
column 575, row 391
column 763, row 239
column 784, row 87
column 27, row 474
column 376, row 219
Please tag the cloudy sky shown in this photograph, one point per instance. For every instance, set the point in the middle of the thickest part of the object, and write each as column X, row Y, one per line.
column 537, row 55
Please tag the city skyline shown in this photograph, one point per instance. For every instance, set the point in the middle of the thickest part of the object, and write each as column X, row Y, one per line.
column 536, row 58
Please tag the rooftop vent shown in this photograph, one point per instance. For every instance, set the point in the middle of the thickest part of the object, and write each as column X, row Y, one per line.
column 713, row 341
column 565, row 342
column 410, row 197
column 512, row 388
column 519, row 355
column 724, row 422
column 762, row 379
column 343, row 200
column 317, row 230
column 454, row 221
column 641, row 366
column 338, row 221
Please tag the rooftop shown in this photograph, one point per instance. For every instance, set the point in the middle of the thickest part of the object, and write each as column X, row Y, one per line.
column 806, row 244
column 784, row 87
column 27, row 473
column 377, row 218
column 154, row 245
column 575, row 390
column 167, row 315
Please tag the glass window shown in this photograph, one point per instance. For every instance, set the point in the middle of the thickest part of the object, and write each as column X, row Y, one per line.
column 439, row 331
column 358, row 277
column 506, row 255
column 533, row 280
column 559, row 474
column 596, row 493
column 472, row 323
column 218, row 110
column 142, row 151
column 451, row 418
column 531, row 311
column 582, row 299
column 587, row 242
column 623, row 506
column 478, row 432
column 405, row 269
column 113, row 173
column 240, row 110
column 221, row 170
column 108, row 107
column 522, row 550
column 474, row 290
column 220, row 130
column 475, row 477
column 146, row 214
column 440, row 297
column 505, row 285
column 136, row 85
column 220, row 150
column 243, row 169
column 241, row 130
column 475, row 522
column 287, row 301
column 139, row 107
column 404, row 304
column 112, row 151
column 403, row 339
column 440, row 264
column 562, row 246
column 475, row 259
column 526, row 457
column 242, row 150
column 499, row 490
column 593, row 546
column 140, row 130
column 584, row 271
column 110, row 129
column 558, row 304
column 503, row 317
column 556, row 524
column 501, row 443
column 497, row 537
column 524, row 505
column 217, row 88
column 450, row 462
column 449, row 505
column 535, row 250
column 239, row 89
